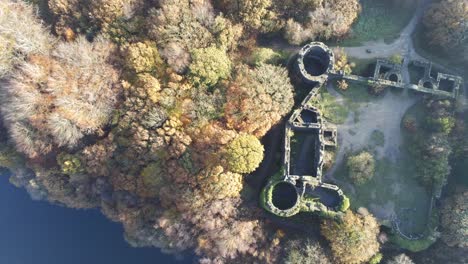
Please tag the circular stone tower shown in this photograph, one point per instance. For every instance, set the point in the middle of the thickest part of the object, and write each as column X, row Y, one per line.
column 315, row 61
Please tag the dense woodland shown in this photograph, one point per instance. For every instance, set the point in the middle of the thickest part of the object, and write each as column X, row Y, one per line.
column 153, row 111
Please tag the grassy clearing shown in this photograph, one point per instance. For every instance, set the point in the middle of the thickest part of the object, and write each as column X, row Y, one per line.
column 354, row 97
column 356, row 93
column 331, row 109
column 379, row 19
column 363, row 67
column 392, row 189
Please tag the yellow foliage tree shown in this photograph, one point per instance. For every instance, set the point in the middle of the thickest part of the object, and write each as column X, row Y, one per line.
column 353, row 238
column 244, row 154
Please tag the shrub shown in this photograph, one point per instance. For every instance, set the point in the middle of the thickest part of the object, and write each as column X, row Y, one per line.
column 433, row 166
column 343, row 85
column 264, row 55
column 396, row 58
column 341, row 62
column 244, row 154
column 376, row 259
column 70, row 164
column 344, row 204
column 377, row 89
column 361, row 167
column 441, row 124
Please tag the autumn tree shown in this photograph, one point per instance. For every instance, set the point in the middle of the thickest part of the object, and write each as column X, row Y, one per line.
column 433, row 167
column 244, row 154
column 21, row 34
column 305, row 252
column 442, row 253
column 177, row 21
column 361, row 167
column 209, row 65
column 252, row 13
column 296, row 34
column 219, row 184
column 142, row 57
column 400, row 259
column 258, row 98
column 353, row 238
column 446, row 23
column 79, row 16
column 454, row 220
column 321, row 19
column 56, row 100
column 341, row 61
column 257, row 15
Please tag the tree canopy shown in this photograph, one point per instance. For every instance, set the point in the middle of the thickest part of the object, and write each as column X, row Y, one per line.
column 446, row 23
column 454, row 220
column 258, row 98
column 361, row 167
column 244, row 154
column 353, row 238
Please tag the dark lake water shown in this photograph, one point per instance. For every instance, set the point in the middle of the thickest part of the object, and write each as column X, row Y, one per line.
column 36, row 232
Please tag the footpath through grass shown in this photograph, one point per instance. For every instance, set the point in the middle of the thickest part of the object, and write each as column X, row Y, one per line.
column 379, row 19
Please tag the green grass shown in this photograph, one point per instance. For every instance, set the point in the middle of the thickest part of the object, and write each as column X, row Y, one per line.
column 377, row 138
column 355, row 96
column 412, row 245
column 392, row 183
column 363, row 67
column 379, row 19
column 356, row 93
column 332, row 110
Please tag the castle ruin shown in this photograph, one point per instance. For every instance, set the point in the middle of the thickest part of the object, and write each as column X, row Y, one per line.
column 300, row 187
